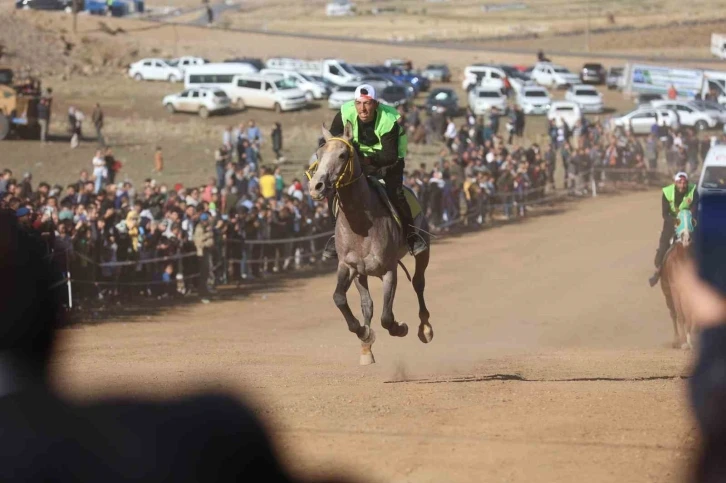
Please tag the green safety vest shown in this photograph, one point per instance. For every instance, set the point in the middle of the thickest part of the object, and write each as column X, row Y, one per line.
column 386, row 117
column 670, row 194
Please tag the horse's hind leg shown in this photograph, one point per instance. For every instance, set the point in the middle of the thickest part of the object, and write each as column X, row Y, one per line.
column 388, row 321
column 366, row 305
column 425, row 331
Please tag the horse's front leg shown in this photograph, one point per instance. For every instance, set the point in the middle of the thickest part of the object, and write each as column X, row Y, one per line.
column 366, row 305
column 388, row 321
column 364, row 333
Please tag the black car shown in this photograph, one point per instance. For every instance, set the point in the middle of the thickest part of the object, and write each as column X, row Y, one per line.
column 445, row 98
column 256, row 63
column 44, row 4
column 395, row 95
column 593, row 74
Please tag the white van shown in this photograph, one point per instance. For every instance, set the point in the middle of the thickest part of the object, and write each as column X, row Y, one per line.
column 312, row 88
column 713, row 175
column 216, row 75
column 336, row 71
column 266, row 92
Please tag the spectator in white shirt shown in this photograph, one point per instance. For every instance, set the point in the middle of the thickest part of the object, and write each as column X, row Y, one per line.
column 100, row 171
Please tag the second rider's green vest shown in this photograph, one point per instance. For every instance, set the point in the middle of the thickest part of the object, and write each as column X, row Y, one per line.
column 386, row 117
column 670, row 194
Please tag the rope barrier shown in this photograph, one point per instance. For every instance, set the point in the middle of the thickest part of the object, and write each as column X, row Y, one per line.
column 480, row 209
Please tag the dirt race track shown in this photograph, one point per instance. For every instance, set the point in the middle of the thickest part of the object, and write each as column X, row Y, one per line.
column 558, row 306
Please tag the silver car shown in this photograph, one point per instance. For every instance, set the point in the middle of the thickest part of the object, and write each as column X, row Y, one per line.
column 437, row 73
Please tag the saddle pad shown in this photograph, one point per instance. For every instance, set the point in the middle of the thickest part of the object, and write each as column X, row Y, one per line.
column 379, row 186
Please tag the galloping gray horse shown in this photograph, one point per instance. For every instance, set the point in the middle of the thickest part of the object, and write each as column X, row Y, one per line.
column 368, row 242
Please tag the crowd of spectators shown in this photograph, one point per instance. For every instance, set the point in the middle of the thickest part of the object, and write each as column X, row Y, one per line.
column 119, row 239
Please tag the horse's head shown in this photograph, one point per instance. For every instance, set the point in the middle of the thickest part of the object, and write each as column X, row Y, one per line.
column 684, row 226
column 335, row 166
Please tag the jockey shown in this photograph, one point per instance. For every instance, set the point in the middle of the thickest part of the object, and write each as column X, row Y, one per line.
column 681, row 195
column 381, row 144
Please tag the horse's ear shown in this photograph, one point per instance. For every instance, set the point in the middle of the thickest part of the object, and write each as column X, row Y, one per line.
column 326, row 133
column 348, row 131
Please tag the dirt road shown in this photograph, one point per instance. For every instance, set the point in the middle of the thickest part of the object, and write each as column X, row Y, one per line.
column 550, row 361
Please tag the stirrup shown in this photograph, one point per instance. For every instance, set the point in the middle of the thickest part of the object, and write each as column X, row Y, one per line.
column 329, row 252
column 418, row 245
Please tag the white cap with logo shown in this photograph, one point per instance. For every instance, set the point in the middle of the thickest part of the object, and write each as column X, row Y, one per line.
column 679, row 175
column 365, row 92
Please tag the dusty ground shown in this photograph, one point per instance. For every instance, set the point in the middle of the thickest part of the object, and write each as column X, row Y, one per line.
column 560, row 301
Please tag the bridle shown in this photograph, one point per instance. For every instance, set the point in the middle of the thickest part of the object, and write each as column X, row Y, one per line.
column 347, row 176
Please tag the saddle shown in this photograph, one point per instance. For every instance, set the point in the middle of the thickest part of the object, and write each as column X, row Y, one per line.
column 378, row 186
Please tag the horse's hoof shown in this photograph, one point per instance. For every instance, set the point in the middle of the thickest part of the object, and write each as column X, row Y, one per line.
column 425, row 333
column 367, row 359
column 398, row 330
column 685, row 346
column 676, row 344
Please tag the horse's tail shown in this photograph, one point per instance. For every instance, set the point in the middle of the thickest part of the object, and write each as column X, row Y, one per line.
column 405, row 270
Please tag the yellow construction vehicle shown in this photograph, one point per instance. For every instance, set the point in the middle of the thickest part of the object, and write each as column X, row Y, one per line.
column 18, row 105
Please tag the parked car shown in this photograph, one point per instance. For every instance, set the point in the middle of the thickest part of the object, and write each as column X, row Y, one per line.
column 443, row 97
column 267, row 92
column 200, row 100
column 517, row 78
column 155, row 69
column 313, row 89
column 713, row 108
column 553, row 75
column 568, row 111
column 592, row 73
column 482, row 99
column 641, row 120
column 342, row 94
column 395, row 95
column 689, row 114
column 363, row 69
column 646, row 98
column 534, row 100
column 713, row 175
column 44, row 4
column 253, row 61
column 437, row 73
column 187, row 61
column 419, row 82
column 587, row 97
column 614, row 79
column 379, row 81
column 481, row 75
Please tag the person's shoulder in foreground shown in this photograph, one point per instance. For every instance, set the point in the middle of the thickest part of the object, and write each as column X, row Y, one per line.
column 202, row 438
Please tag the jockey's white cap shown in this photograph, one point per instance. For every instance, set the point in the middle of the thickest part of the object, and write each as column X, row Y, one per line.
column 679, row 175
column 365, row 92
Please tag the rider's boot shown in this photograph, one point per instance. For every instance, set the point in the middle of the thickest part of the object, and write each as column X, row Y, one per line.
column 653, row 280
